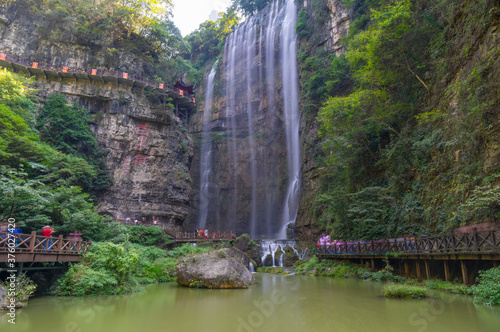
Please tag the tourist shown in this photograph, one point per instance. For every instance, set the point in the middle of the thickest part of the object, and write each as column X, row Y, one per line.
column 206, row 233
column 155, row 222
column 135, row 222
column 127, row 221
column 47, row 232
column 213, row 235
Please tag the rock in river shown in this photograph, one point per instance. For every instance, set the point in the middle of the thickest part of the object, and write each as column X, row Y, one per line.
column 222, row 268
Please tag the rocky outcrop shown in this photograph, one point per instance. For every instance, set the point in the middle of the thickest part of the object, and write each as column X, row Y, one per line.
column 222, row 268
column 245, row 244
column 148, row 148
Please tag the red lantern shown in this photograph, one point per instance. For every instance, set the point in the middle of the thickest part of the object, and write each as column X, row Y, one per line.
column 161, row 85
column 125, row 75
column 35, row 65
column 2, row 56
column 181, row 92
column 65, row 69
column 94, row 71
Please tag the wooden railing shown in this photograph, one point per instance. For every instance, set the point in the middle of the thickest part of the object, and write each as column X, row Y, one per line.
column 95, row 72
column 32, row 243
column 453, row 243
column 181, row 236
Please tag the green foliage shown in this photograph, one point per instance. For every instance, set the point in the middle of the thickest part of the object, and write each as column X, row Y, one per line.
column 405, row 291
column 66, row 128
column 270, row 269
column 329, row 268
column 447, row 286
column 250, row 7
column 383, row 275
column 25, row 288
column 487, row 290
column 106, row 269
column 207, row 42
column 380, row 128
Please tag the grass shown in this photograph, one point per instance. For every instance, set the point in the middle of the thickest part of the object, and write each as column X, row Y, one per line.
column 270, row 269
column 405, row 291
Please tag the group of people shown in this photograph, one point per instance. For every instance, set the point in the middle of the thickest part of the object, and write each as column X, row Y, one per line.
column 137, row 222
column 325, row 240
column 203, row 233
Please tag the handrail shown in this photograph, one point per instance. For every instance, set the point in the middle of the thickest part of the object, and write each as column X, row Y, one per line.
column 453, row 243
column 94, row 72
column 32, row 243
column 231, row 235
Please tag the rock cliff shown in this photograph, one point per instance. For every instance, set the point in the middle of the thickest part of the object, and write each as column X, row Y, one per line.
column 148, row 148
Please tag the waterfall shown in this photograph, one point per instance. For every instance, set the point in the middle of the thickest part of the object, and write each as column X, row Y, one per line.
column 258, row 175
column 270, row 247
column 230, row 73
column 206, row 151
column 271, row 191
column 251, row 53
column 288, row 53
column 251, row 267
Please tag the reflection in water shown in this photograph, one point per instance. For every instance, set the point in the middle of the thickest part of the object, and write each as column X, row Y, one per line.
column 276, row 303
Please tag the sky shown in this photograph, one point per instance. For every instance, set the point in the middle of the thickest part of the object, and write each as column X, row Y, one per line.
column 189, row 14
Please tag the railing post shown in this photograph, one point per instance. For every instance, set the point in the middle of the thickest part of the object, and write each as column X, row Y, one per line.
column 475, row 238
column 452, row 240
column 373, row 247
column 32, row 241
column 359, row 248
column 60, row 244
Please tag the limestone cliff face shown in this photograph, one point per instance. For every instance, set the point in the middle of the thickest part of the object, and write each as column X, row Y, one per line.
column 336, row 27
column 149, row 149
column 33, row 38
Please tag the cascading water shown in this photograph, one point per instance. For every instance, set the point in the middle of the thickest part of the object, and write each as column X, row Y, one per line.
column 251, row 53
column 206, row 152
column 257, row 174
column 271, row 247
column 288, row 44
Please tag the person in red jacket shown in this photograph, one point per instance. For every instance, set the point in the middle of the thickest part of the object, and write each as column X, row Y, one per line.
column 47, row 231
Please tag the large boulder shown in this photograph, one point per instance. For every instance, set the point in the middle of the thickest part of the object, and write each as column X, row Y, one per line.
column 222, row 268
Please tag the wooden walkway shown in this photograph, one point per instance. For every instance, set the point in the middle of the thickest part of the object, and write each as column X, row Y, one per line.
column 183, row 237
column 478, row 243
column 453, row 253
column 95, row 75
column 25, row 248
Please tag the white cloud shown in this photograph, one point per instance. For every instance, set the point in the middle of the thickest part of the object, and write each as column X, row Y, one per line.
column 189, row 14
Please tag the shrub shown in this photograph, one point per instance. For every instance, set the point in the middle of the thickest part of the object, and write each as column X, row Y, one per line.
column 487, row 291
column 405, row 291
column 447, row 286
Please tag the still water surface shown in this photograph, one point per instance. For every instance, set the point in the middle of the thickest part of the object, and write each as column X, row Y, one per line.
column 277, row 303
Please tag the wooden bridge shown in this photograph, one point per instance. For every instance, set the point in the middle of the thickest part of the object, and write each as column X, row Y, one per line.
column 27, row 248
column 181, row 237
column 478, row 249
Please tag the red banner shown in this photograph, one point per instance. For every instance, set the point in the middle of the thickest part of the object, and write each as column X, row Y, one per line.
column 161, row 85
column 125, row 75
column 94, row 71
column 181, row 92
column 65, row 69
column 35, row 64
column 2, row 56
